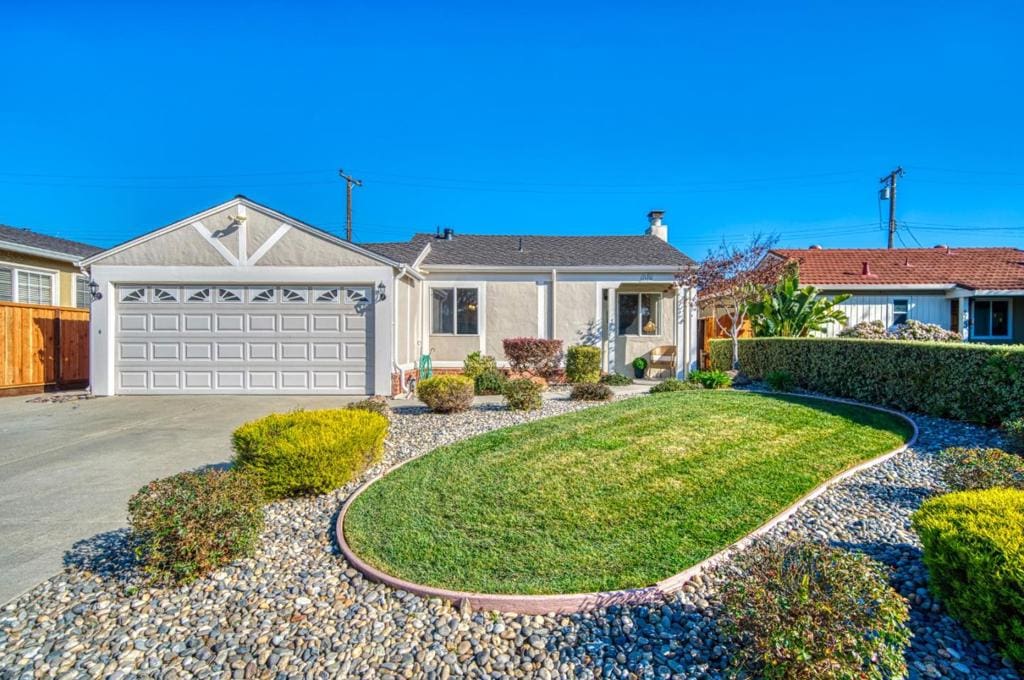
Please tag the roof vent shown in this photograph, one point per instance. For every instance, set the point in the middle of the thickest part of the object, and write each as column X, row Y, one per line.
column 906, row 262
column 941, row 246
column 815, row 247
column 448, row 234
column 865, row 269
column 521, row 244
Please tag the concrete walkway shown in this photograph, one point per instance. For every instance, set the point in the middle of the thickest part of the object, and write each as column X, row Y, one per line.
column 68, row 469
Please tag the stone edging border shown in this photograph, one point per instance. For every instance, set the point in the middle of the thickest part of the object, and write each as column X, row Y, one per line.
column 580, row 602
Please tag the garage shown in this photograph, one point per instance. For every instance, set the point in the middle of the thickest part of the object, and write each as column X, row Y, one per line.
column 241, row 299
column 251, row 339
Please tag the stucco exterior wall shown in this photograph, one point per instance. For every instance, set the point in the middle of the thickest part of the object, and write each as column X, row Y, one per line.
column 408, row 320
column 184, row 245
column 301, row 248
column 453, row 347
column 577, row 320
column 66, row 273
column 512, row 312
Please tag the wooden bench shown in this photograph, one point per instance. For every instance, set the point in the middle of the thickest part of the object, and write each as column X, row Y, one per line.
column 663, row 356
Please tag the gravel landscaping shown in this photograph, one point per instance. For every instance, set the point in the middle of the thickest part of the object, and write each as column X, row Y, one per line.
column 298, row 610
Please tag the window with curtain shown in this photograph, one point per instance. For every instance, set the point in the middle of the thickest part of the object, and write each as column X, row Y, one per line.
column 991, row 318
column 35, row 288
column 455, row 311
column 638, row 313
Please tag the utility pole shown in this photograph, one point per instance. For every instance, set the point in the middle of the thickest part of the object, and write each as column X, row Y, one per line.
column 889, row 192
column 349, row 183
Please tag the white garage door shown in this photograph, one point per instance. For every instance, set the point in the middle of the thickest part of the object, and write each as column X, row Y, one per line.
column 251, row 339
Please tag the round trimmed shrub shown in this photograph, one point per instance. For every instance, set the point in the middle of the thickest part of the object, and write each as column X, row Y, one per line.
column 583, row 364
column 489, row 382
column 807, row 610
column 309, row 452
column 675, row 385
column 974, row 550
column 591, row 392
column 476, row 364
column 974, row 469
column 616, row 379
column 522, row 394
column 446, row 393
column 779, row 381
column 185, row 526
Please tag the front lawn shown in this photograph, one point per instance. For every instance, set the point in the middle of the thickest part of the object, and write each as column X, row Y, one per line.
column 615, row 496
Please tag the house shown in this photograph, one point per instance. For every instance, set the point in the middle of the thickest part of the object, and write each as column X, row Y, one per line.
column 978, row 292
column 42, row 270
column 241, row 298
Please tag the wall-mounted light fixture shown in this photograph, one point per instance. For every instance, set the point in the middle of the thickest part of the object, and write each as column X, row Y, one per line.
column 381, row 292
column 94, row 290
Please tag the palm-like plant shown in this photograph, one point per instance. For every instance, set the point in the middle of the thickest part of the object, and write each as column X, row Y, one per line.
column 789, row 310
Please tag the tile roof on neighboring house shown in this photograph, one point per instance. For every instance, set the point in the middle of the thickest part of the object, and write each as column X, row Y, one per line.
column 479, row 250
column 973, row 268
column 27, row 238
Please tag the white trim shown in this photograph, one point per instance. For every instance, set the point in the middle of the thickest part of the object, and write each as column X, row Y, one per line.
column 217, row 245
column 246, row 275
column 54, row 275
column 637, row 269
column 241, row 200
column 74, row 291
column 243, row 236
column 656, row 314
column 1009, row 319
column 39, row 252
column 880, row 286
column 452, row 285
column 269, row 243
column 419, row 258
column 997, row 293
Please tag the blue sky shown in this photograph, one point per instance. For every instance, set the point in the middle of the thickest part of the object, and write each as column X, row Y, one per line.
column 529, row 118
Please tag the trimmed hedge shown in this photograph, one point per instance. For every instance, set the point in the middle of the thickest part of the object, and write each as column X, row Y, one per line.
column 977, row 383
column 185, row 526
column 309, row 452
column 446, row 393
column 583, row 364
column 974, row 550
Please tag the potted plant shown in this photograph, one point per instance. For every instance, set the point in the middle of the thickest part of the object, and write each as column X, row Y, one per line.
column 639, row 366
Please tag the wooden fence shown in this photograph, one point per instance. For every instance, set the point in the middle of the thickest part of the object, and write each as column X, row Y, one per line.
column 709, row 330
column 43, row 347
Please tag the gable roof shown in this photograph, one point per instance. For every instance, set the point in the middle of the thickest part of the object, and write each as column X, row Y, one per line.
column 480, row 250
column 249, row 203
column 972, row 268
column 34, row 243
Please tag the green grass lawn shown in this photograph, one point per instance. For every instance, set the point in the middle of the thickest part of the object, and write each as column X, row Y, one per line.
column 612, row 497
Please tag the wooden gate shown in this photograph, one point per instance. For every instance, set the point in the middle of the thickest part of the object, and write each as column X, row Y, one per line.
column 710, row 330
column 43, row 347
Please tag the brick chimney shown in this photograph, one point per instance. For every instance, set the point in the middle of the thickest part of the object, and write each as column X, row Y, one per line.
column 657, row 228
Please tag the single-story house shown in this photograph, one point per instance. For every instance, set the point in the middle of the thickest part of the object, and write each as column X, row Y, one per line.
column 38, row 269
column 977, row 292
column 243, row 299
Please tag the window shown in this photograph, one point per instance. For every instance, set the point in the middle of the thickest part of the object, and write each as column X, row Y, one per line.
column 261, row 295
column 197, row 295
column 133, row 295
column 638, row 313
column 991, row 318
column 165, row 295
column 327, row 294
column 35, row 288
column 900, row 311
column 294, row 294
column 455, row 310
column 82, row 295
column 229, row 295
column 6, row 284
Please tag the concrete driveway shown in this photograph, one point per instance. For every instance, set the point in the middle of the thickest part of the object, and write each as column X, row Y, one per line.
column 67, row 469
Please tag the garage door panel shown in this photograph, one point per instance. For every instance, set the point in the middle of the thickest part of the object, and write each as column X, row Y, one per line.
column 258, row 339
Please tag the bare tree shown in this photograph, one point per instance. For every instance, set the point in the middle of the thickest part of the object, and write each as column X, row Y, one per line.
column 729, row 278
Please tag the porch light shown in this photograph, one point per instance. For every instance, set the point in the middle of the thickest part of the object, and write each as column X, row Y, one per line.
column 381, row 292
column 94, row 290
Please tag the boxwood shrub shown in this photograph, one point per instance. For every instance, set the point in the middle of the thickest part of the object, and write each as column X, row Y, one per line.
column 185, row 526
column 523, row 394
column 583, row 364
column 977, row 383
column 309, row 452
column 446, row 393
column 591, row 392
column 807, row 610
column 974, row 550
column 973, row 469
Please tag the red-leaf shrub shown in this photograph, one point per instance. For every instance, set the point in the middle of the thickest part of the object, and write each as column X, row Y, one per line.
column 538, row 356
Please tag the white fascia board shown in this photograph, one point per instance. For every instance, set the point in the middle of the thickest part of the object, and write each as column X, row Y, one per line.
column 237, row 201
column 581, row 269
column 243, row 275
column 40, row 252
column 857, row 287
column 1012, row 292
column 422, row 256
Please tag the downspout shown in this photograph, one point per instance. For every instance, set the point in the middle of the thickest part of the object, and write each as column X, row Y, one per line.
column 687, row 292
column 394, row 332
column 554, row 296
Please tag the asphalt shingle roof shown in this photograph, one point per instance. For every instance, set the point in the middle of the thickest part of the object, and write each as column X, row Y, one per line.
column 34, row 239
column 537, row 251
column 974, row 268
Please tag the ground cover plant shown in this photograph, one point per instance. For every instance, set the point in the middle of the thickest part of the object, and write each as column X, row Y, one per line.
column 808, row 610
column 309, row 452
column 615, row 496
column 711, row 380
column 974, row 469
column 187, row 525
column 675, row 385
column 616, row 379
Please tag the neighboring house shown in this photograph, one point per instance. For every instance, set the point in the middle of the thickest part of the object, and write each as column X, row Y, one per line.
column 42, row 270
column 978, row 292
column 243, row 299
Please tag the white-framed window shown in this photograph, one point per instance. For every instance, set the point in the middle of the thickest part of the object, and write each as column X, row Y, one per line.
column 900, row 311
column 165, row 295
column 455, row 311
column 330, row 295
column 28, row 286
column 198, row 295
column 131, row 294
column 294, row 295
column 229, row 295
column 639, row 313
column 991, row 319
column 262, row 294
column 83, row 298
